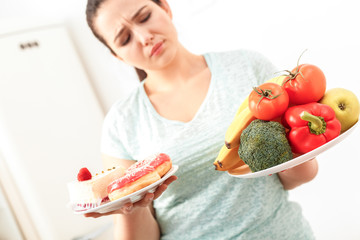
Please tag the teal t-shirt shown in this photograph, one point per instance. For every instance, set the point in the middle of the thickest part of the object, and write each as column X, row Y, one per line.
column 204, row 203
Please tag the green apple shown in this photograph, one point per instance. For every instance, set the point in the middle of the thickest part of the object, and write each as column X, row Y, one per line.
column 345, row 104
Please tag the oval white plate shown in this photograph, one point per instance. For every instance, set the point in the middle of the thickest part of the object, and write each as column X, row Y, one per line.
column 133, row 197
column 298, row 160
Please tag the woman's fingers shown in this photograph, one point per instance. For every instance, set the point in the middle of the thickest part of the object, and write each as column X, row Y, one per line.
column 127, row 208
column 93, row 215
column 96, row 215
column 170, row 180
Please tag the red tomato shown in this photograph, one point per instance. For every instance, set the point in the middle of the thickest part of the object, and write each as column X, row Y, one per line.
column 268, row 101
column 305, row 84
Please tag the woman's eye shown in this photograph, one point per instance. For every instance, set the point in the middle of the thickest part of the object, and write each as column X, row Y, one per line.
column 145, row 18
column 126, row 40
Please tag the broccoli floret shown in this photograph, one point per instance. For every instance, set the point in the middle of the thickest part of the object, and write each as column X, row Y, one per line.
column 263, row 144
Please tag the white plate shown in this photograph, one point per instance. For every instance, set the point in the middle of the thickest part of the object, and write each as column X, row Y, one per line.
column 298, row 160
column 133, row 197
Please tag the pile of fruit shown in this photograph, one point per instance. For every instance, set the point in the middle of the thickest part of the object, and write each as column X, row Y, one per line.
column 305, row 112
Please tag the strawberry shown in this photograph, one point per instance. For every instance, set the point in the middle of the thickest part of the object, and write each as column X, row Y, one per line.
column 83, row 175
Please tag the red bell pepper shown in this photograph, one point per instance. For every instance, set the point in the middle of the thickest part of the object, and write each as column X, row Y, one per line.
column 311, row 125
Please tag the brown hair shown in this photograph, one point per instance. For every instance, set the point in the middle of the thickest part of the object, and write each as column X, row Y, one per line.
column 91, row 11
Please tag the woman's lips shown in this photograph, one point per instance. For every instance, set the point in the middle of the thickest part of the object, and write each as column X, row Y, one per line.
column 157, row 48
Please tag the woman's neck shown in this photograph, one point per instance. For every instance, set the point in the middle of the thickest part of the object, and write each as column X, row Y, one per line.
column 184, row 67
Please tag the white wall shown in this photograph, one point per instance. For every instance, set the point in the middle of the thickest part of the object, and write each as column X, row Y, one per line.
column 281, row 30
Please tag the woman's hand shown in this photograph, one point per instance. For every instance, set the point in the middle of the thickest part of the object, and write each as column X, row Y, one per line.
column 294, row 177
column 146, row 201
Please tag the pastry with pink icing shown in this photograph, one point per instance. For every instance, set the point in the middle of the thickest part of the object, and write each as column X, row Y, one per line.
column 140, row 175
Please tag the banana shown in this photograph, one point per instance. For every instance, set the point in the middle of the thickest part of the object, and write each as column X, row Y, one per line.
column 244, row 169
column 243, row 105
column 240, row 122
column 279, row 80
column 227, row 159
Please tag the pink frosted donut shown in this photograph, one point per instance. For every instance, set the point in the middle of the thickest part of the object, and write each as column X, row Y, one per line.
column 161, row 162
column 132, row 182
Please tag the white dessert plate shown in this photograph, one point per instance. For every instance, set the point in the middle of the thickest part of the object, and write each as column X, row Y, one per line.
column 133, row 197
column 295, row 161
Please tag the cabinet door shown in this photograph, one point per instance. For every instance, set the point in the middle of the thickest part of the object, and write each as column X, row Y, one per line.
column 50, row 124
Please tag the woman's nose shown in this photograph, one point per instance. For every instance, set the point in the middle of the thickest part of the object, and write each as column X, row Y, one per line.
column 144, row 36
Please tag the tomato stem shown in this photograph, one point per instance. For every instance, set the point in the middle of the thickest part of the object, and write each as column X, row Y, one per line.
column 300, row 57
column 317, row 124
column 267, row 93
column 293, row 75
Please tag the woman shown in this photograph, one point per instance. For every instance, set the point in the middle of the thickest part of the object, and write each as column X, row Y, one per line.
column 183, row 108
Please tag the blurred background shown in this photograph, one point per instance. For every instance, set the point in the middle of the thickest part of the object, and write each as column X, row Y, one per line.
column 64, row 81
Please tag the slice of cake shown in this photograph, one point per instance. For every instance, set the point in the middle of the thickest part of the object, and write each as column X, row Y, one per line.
column 90, row 191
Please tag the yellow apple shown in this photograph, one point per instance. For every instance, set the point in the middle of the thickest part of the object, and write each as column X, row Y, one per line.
column 345, row 104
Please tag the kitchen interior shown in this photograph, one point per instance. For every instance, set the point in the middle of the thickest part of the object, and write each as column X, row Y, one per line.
column 57, row 82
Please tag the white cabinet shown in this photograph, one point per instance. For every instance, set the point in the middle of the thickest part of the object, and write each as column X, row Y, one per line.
column 50, row 124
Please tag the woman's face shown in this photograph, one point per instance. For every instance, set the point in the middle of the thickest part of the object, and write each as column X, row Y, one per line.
column 140, row 32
